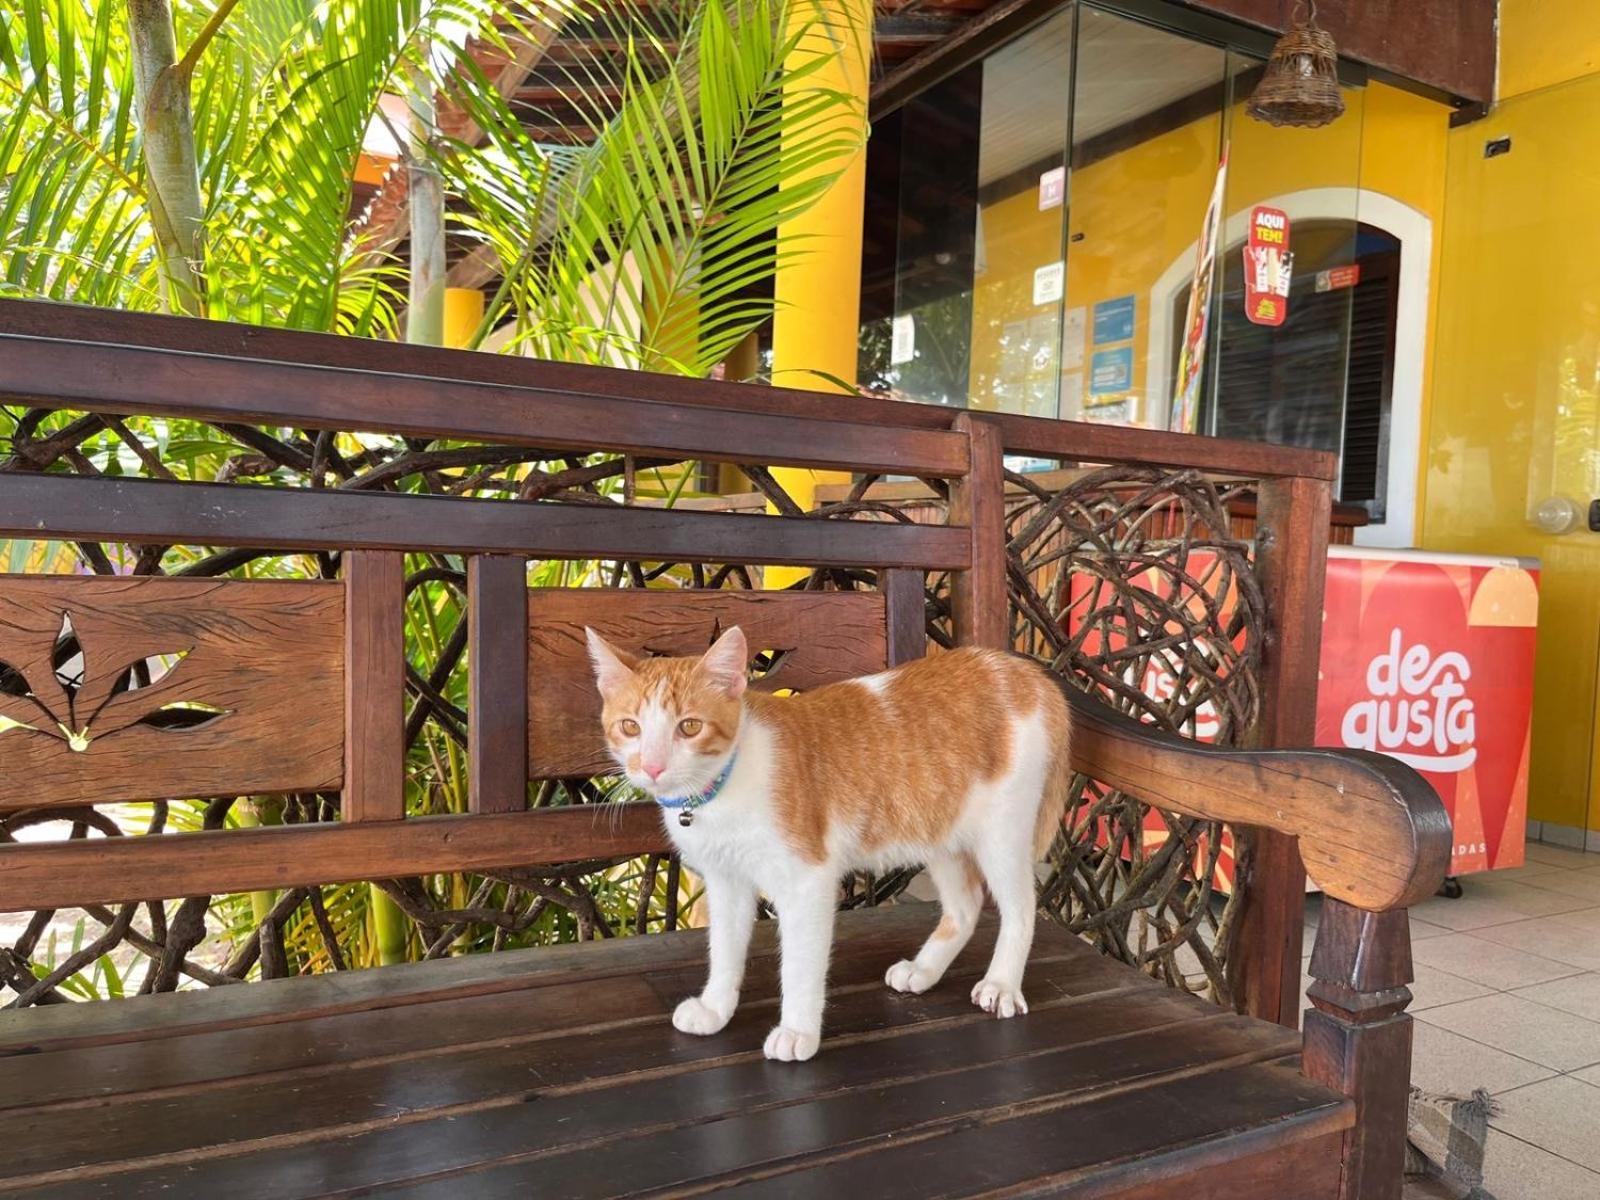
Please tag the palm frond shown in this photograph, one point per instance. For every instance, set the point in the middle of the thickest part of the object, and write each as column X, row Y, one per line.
column 651, row 246
column 72, row 218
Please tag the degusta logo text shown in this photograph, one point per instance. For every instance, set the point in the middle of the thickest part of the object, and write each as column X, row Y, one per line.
column 1417, row 711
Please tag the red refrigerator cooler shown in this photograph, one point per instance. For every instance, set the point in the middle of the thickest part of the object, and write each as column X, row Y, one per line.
column 1429, row 658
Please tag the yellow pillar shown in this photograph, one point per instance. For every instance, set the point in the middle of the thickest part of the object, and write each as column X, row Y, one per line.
column 818, row 292
column 463, row 313
column 742, row 365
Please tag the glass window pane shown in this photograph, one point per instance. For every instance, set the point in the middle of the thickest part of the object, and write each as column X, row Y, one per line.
column 1019, row 279
column 1146, row 140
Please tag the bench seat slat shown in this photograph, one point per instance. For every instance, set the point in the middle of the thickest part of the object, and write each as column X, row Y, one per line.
column 71, row 1026
column 538, row 1091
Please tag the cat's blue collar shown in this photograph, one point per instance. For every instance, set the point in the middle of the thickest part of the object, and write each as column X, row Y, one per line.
column 688, row 805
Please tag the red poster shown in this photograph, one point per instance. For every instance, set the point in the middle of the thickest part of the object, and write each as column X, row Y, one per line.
column 1268, row 266
column 1432, row 663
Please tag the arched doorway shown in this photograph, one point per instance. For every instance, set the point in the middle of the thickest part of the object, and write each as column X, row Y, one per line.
column 1282, row 385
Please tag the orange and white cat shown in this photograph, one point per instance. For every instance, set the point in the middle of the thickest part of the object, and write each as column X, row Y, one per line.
column 957, row 761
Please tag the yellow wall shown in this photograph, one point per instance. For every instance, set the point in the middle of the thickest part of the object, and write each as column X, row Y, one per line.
column 1517, row 376
column 1545, row 42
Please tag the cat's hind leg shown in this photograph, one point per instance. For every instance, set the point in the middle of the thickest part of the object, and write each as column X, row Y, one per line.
column 1007, row 864
column 1004, row 850
column 961, row 898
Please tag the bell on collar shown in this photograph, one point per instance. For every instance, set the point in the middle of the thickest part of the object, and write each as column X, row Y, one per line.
column 686, row 817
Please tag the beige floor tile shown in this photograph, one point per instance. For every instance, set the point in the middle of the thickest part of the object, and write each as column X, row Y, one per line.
column 1585, row 919
column 1187, row 961
column 1475, row 912
column 1506, row 902
column 1527, row 870
column 1561, row 1115
column 1433, row 987
column 1494, row 965
column 1576, row 994
column 1421, row 928
column 1519, row 1026
column 1449, row 1064
column 1515, row 1170
column 1548, row 938
column 1583, row 884
column 1525, row 895
column 1558, row 856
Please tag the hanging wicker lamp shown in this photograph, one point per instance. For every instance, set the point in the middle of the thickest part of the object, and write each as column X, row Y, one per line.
column 1301, row 83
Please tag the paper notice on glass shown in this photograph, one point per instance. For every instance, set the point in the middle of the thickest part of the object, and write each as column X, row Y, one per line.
column 902, row 339
column 1072, row 395
column 1075, row 324
column 1117, row 412
column 1052, row 188
column 1047, row 283
column 1113, row 320
column 1111, row 372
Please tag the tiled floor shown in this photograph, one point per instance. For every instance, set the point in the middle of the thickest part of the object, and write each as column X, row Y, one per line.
column 1507, row 998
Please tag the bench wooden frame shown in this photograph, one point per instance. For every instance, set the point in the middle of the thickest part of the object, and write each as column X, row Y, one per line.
column 1374, row 835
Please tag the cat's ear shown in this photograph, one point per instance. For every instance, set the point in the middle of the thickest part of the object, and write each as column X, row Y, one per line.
column 612, row 668
column 725, row 665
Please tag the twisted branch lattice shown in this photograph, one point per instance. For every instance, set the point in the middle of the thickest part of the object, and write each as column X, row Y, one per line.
column 1117, row 578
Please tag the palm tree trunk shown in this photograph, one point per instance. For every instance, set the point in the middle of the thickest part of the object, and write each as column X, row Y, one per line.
column 166, row 123
column 425, row 191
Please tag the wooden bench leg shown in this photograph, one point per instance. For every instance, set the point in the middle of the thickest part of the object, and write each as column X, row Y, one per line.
column 1358, row 1038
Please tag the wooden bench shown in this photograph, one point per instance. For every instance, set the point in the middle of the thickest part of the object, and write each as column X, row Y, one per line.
column 555, row 1071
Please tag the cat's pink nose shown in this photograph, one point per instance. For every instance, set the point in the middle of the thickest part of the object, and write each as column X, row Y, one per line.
column 654, row 770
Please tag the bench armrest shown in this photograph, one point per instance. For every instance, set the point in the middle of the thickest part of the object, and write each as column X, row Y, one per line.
column 1372, row 832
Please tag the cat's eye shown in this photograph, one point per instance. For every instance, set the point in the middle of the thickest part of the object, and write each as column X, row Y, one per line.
column 690, row 726
column 630, row 728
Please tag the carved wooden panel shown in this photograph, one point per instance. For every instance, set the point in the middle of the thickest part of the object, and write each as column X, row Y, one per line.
column 813, row 638
column 116, row 688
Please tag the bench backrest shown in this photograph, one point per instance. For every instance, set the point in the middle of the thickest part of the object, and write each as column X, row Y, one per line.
column 301, row 686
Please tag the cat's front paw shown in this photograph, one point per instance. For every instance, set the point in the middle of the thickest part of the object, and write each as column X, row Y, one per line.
column 906, row 976
column 695, row 1016
column 788, row 1045
column 1001, row 999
